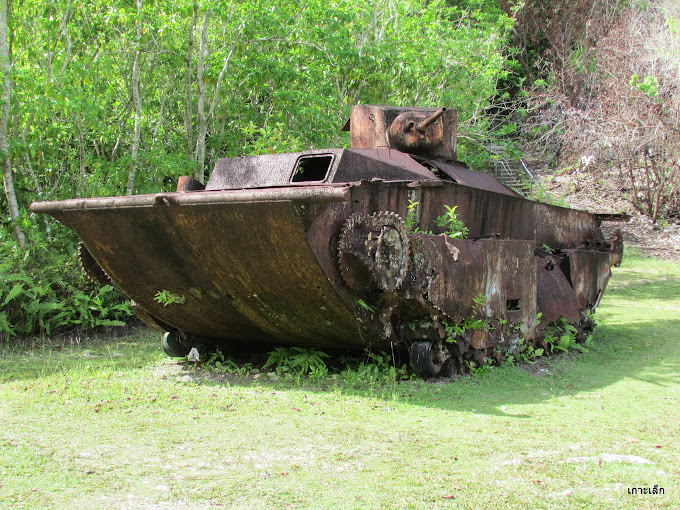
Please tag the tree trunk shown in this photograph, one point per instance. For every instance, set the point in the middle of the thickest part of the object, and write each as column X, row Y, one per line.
column 160, row 125
column 137, row 101
column 7, row 175
column 202, row 117
column 189, row 105
column 31, row 172
column 81, row 159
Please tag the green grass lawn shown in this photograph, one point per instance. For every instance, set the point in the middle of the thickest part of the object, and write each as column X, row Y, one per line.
column 116, row 424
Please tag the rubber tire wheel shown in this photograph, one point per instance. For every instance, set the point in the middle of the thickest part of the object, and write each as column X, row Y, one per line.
column 173, row 346
column 422, row 359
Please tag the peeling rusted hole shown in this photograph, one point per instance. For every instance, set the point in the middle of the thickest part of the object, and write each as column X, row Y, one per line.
column 512, row 305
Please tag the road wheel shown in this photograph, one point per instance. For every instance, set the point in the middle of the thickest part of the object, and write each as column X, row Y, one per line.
column 173, row 345
column 423, row 359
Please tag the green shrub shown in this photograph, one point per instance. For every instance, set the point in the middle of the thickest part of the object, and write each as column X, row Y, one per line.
column 298, row 360
column 452, row 225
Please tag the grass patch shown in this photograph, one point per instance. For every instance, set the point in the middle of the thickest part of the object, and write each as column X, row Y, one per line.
column 115, row 424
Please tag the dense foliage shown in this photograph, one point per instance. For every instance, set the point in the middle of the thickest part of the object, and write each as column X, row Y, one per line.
column 43, row 290
column 227, row 79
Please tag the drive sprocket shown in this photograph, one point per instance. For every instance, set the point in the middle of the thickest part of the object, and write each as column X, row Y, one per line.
column 90, row 266
column 373, row 251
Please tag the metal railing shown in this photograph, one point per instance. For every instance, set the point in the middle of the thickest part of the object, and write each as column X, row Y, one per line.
column 519, row 178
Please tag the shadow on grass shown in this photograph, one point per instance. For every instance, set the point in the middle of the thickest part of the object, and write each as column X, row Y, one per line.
column 645, row 351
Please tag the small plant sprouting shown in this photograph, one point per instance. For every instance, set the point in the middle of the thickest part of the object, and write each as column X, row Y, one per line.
column 225, row 365
column 166, row 297
column 471, row 322
column 366, row 306
column 590, row 315
column 449, row 221
column 411, row 220
column 538, row 318
column 481, row 368
column 452, row 225
column 548, row 249
column 561, row 336
column 527, row 353
column 375, row 368
column 588, row 342
column 479, row 300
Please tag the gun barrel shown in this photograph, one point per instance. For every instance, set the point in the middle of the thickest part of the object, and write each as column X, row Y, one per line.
column 423, row 125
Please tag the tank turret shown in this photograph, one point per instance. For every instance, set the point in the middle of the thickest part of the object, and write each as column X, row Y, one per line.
column 427, row 132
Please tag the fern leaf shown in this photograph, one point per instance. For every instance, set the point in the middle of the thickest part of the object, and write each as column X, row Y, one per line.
column 16, row 290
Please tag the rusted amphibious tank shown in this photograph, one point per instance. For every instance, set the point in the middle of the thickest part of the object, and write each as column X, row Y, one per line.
column 340, row 249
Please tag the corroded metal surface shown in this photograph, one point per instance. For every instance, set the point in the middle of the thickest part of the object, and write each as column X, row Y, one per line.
column 342, row 248
column 251, row 281
column 90, row 267
column 555, row 296
column 461, row 174
column 417, row 132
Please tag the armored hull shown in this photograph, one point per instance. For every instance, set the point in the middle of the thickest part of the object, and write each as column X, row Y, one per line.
column 341, row 248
